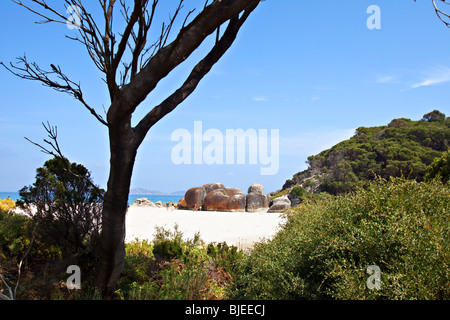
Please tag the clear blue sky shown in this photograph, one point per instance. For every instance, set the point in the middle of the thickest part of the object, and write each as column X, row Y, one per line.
column 311, row 69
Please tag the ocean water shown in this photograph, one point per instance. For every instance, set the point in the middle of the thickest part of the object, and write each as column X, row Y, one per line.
column 154, row 198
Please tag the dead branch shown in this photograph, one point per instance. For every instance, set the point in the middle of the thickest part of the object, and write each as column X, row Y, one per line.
column 55, row 151
column 444, row 17
column 5, row 297
column 19, row 266
column 31, row 71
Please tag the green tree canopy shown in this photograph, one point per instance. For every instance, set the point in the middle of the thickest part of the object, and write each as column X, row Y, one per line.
column 402, row 148
column 434, row 115
column 65, row 205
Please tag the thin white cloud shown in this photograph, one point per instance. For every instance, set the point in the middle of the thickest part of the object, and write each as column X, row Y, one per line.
column 434, row 77
column 386, row 79
column 260, row 99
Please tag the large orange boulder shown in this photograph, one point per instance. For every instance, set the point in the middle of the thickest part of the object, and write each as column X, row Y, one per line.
column 214, row 199
column 221, row 200
column 232, row 191
column 182, row 204
column 213, row 186
column 195, row 196
column 235, row 203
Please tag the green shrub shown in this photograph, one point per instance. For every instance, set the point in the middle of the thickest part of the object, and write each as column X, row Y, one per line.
column 325, row 247
column 297, row 192
column 14, row 235
column 68, row 206
column 225, row 256
column 439, row 168
column 168, row 250
column 174, row 268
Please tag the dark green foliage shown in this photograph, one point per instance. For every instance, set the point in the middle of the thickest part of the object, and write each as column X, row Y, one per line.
column 434, row 115
column 439, row 168
column 67, row 206
column 15, row 235
column 325, row 247
column 169, row 244
column 297, row 191
column 167, row 250
column 403, row 148
column 225, row 256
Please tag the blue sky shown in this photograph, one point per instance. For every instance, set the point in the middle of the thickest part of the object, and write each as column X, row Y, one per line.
column 311, row 69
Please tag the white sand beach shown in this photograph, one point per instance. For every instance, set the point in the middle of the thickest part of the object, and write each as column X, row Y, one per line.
column 241, row 229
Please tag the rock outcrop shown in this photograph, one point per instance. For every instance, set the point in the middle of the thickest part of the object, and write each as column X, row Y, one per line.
column 182, row 204
column 280, row 204
column 256, row 199
column 143, row 202
column 234, row 203
column 213, row 186
column 195, row 196
column 214, row 199
column 217, row 197
column 228, row 200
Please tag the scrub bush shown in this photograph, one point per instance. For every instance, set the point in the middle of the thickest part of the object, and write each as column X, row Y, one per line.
column 325, row 247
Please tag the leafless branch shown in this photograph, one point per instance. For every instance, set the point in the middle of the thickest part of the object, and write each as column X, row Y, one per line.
column 32, row 71
column 444, row 17
column 55, row 151
column 19, row 266
column 5, row 297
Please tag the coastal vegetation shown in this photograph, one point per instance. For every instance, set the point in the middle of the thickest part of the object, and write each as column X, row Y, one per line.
column 397, row 222
column 132, row 58
column 403, row 147
column 325, row 247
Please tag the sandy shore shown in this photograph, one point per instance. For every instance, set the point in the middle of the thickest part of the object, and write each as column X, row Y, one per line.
column 241, row 229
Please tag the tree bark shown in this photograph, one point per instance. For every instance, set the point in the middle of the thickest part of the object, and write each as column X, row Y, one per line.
column 112, row 243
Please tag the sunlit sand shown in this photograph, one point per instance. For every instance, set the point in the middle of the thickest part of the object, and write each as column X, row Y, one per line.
column 241, row 229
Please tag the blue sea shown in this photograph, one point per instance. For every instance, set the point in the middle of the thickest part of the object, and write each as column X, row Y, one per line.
column 154, row 198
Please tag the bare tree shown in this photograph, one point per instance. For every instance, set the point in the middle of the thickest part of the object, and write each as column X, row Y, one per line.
column 442, row 15
column 129, row 83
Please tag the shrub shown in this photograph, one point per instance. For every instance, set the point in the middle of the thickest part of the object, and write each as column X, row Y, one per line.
column 225, row 257
column 14, row 235
column 324, row 248
column 297, row 192
column 174, row 268
column 440, row 168
column 168, row 250
column 67, row 206
column 7, row 204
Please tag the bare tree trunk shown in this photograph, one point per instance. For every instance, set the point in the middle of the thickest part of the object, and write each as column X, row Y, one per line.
column 149, row 64
column 112, row 242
